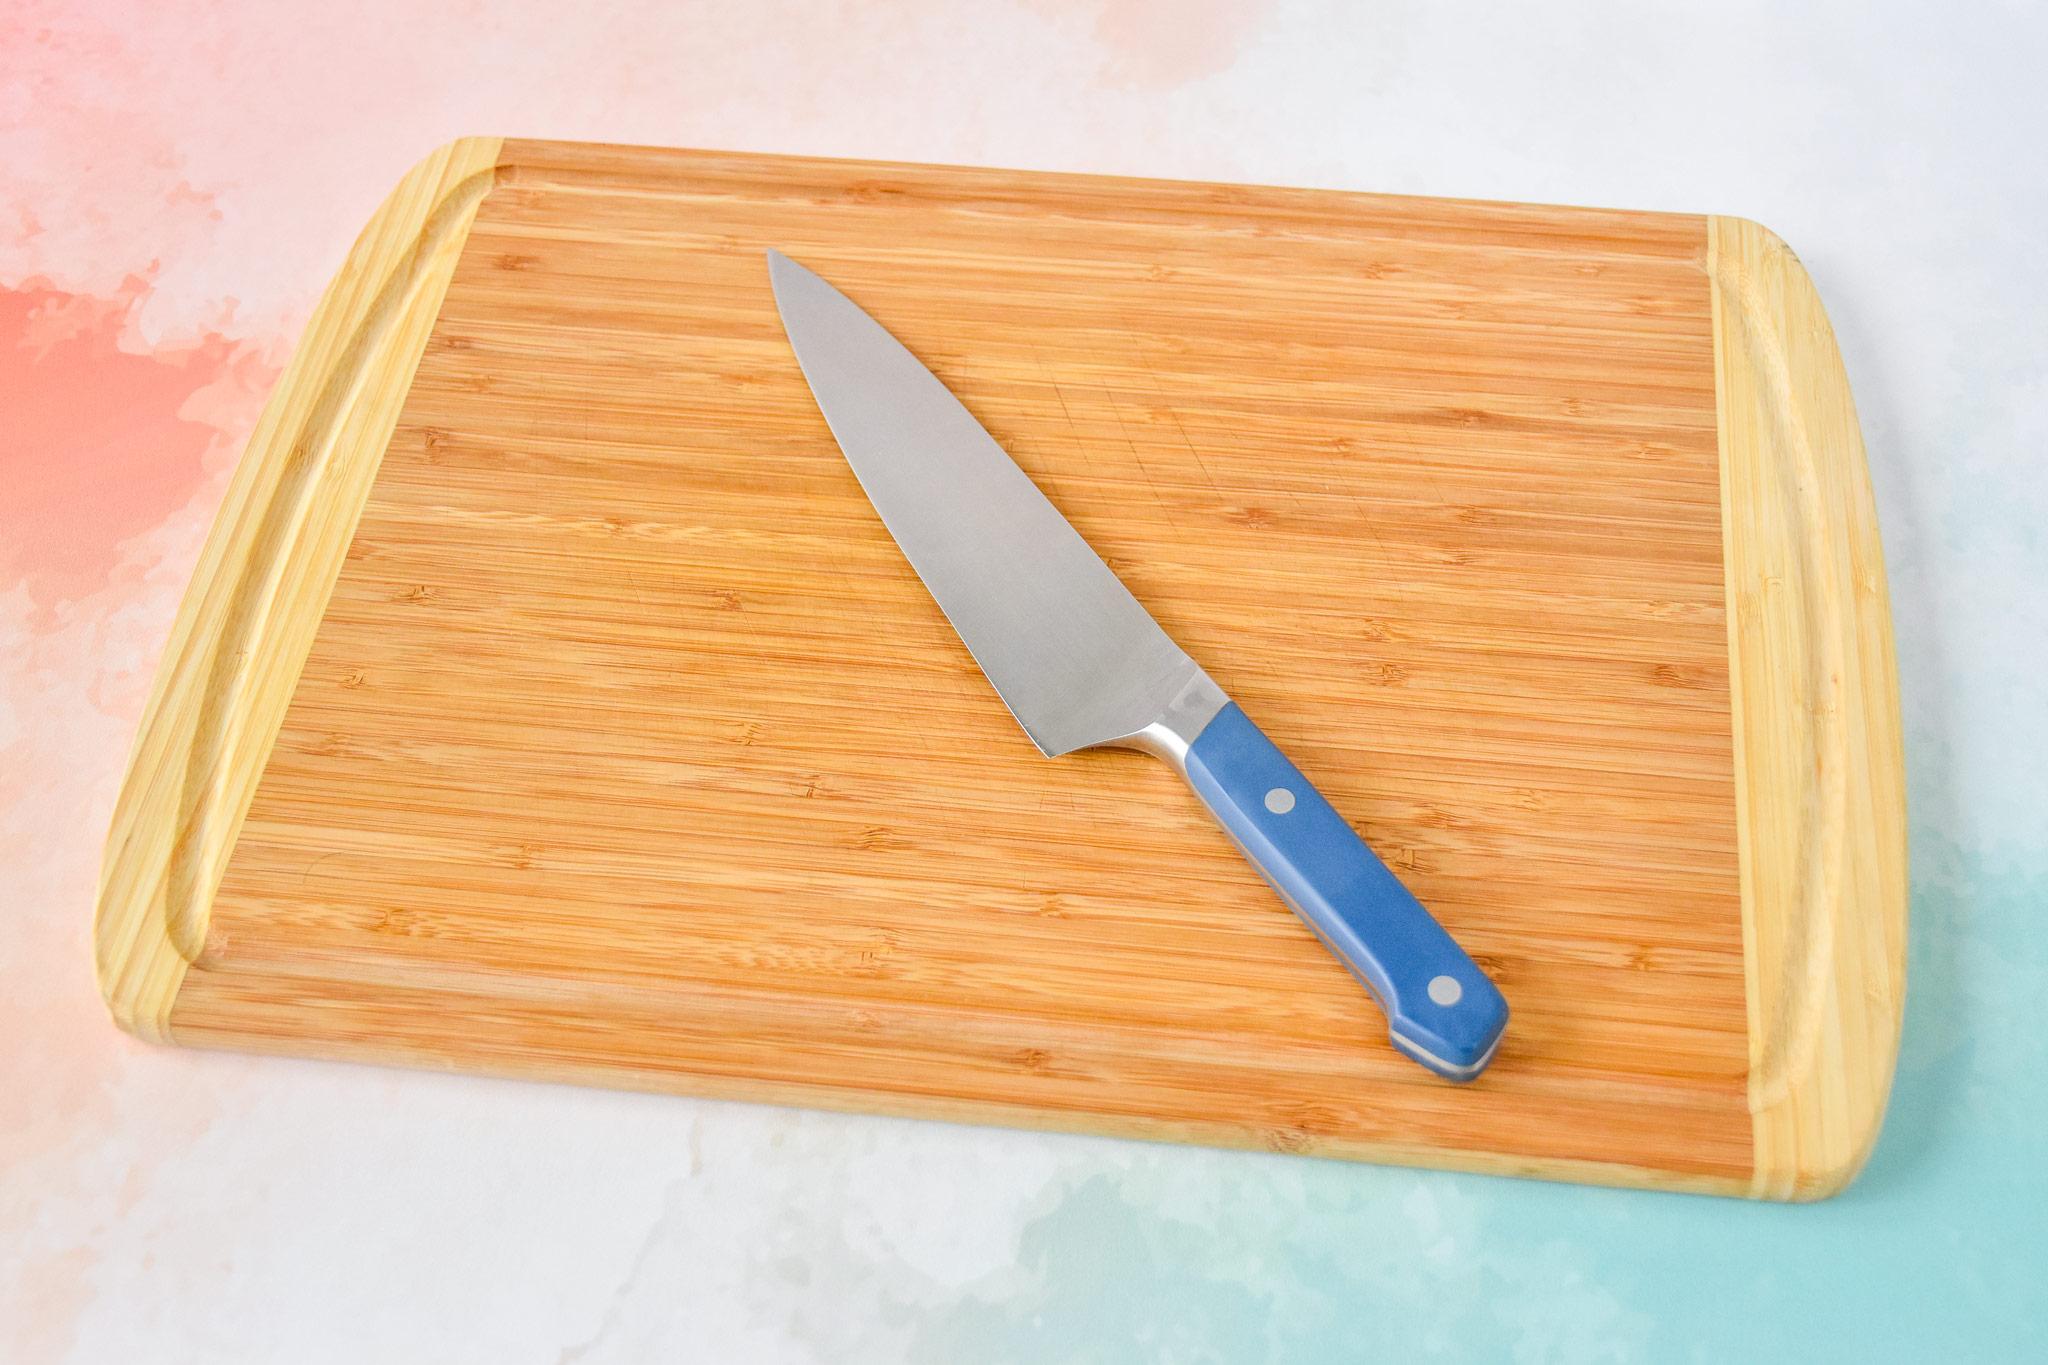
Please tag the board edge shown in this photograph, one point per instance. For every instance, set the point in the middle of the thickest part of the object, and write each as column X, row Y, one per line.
column 1819, row 753
column 388, row 1049
column 246, row 622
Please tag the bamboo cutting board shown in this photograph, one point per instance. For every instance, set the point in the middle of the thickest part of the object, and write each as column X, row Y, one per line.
column 549, row 701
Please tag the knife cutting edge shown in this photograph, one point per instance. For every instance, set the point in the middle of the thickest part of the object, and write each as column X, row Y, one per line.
column 1080, row 663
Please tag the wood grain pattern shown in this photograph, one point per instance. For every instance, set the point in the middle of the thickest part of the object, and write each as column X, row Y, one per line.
column 247, row 619
column 1820, row 768
column 630, row 750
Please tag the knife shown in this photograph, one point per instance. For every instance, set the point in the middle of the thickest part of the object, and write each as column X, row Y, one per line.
column 1080, row 663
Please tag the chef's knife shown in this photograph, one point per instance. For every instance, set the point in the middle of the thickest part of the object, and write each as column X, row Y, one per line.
column 1080, row 663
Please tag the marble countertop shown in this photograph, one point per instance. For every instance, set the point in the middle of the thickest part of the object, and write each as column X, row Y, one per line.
column 179, row 180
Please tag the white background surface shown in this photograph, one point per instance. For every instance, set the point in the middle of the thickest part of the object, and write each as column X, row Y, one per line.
column 160, row 1205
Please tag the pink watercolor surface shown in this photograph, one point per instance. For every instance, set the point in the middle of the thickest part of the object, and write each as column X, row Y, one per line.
column 179, row 179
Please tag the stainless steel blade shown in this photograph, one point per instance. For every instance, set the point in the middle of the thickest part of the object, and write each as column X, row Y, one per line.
column 1070, row 651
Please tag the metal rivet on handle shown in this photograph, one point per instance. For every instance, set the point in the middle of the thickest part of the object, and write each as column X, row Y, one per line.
column 1279, row 800
column 1445, row 990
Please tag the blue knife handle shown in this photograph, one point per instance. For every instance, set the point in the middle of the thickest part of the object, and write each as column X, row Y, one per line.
column 1441, row 1009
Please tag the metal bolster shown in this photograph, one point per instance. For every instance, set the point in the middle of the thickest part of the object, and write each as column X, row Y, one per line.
column 1180, row 723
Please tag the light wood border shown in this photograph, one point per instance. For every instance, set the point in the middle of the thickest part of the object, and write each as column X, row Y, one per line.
column 1820, row 766
column 247, row 621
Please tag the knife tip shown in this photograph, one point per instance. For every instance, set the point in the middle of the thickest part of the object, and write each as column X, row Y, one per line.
column 782, row 270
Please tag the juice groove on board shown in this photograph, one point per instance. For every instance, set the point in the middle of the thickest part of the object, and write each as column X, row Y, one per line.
column 1820, row 769
column 270, row 560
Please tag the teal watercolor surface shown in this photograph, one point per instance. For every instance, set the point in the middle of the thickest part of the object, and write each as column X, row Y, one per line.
column 1937, row 1253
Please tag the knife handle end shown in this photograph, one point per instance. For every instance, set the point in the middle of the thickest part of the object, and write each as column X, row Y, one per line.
column 1442, row 1011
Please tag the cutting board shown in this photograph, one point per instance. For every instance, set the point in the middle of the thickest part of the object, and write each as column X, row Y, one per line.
column 549, row 702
